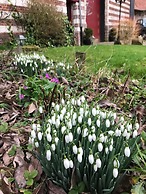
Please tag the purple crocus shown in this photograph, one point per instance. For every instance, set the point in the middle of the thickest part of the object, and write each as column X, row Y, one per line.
column 56, row 80
column 25, row 87
column 41, row 77
column 21, row 96
column 47, row 76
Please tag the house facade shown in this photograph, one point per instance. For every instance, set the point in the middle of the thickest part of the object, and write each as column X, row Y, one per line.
column 99, row 15
column 140, row 9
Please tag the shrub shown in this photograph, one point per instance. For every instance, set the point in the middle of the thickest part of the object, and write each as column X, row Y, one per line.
column 112, row 34
column 87, row 38
column 44, row 25
column 80, row 140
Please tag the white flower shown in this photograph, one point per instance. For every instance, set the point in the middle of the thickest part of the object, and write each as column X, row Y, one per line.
column 116, row 163
column 111, row 147
column 106, row 150
column 33, row 134
column 89, row 121
column 98, row 122
column 66, row 163
column 81, row 111
column 69, row 124
column 57, row 107
column 118, row 132
column 63, row 129
column 56, row 140
column 103, row 114
column 57, row 124
column 80, row 119
column 41, row 109
column 40, row 136
column 62, row 101
column 137, row 126
column 122, row 119
column 78, row 102
column 70, row 135
column 122, row 128
column 63, row 111
column 71, row 164
column 48, row 155
column 105, row 138
column 129, row 127
column 95, row 167
column 98, row 163
column 134, row 134
column 79, row 157
column 73, row 101
column 53, row 104
column 91, row 158
column 115, row 172
column 86, row 113
column 82, row 98
column 74, row 122
column 85, row 132
column 93, row 111
column 61, row 117
column 128, row 136
column 67, row 140
column 36, row 144
column 101, row 138
column 107, row 123
column 80, row 150
column 49, row 137
column 38, row 126
column 75, row 149
column 125, row 133
column 127, row 151
column 94, row 137
column 111, row 132
column 53, row 147
column 53, row 119
column 74, row 115
column 100, row 147
column 114, row 115
column 34, row 127
column 78, row 130
column 90, row 137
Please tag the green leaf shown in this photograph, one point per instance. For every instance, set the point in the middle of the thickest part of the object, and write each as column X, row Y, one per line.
column 33, row 173
column 143, row 134
column 3, row 127
column 81, row 187
column 73, row 192
column 12, row 152
column 29, row 182
column 138, row 189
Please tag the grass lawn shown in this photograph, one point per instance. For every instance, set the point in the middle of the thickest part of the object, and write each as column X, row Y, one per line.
column 131, row 58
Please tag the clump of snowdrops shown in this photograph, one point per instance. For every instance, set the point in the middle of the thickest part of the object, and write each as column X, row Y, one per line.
column 34, row 64
column 82, row 141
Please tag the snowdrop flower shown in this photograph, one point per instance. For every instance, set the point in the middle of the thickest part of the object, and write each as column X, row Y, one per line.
column 57, row 124
column 74, row 115
column 33, row 134
column 93, row 137
column 63, row 111
column 122, row 119
column 115, row 172
column 95, row 167
column 89, row 121
column 49, row 137
column 66, row 163
column 78, row 102
column 53, row 119
column 135, row 133
column 78, row 130
column 36, row 144
column 91, row 158
column 103, row 114
column 80, row 119
column 69, row 124
column 98, row 163
column 129, row 127
column 61, row 117
column 48, row 155
column 41, row 109
column 107, row 123
column 127, row 151
column 93, row 129
column 53, row 104
column 105, row 138
column 106, row 150
column 67, row 140
column 98, row 123
column 137, row 126
column 79, row 157
column 34, row 127
column 82, row 98
column 86, row 113
column 85, row 132
column 100, row 147
column 101, row 138
column 125, row 133
column 90, row 137
column 93, row 111
column 53, row 147
column 75, row 149
column 81, row 111
column 70, row 135
column 122, row 128
column 80, row 150
column 57, row 107
column 118, row 133
column 63, row 129
column 74, row 122
column 71, row 164
column 62, row 101
column 73, row 101
column 111, row 147
column 56, row 140
column 38, row 126
column 116, row 163
column 111, row 132
column 128, row 136
column 114, row 115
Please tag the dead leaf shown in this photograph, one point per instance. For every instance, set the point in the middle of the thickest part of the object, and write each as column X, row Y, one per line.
column 54, row 189
column 5, row 187
column 106, row 103
column 7, row 159
column 39, row 189
column 5, row 117
column 19, row 176
column 31, row 108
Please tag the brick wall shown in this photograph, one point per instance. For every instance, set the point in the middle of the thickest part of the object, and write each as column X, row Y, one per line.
column 112, row 14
